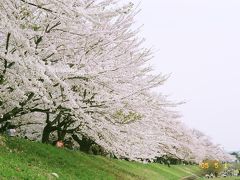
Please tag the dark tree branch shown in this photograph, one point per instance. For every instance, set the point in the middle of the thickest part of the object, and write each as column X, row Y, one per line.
column 38, row 6
column 7, row 42
column 49, row 29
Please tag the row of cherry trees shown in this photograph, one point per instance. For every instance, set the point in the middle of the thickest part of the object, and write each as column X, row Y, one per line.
column 79, row 66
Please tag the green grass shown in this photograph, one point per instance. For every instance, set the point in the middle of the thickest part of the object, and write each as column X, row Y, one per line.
column 22, row 159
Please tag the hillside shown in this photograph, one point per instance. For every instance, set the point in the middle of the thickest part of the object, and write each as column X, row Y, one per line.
column 22, row 159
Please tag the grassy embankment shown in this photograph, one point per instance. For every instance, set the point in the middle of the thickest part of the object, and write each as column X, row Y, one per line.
column 22, row 159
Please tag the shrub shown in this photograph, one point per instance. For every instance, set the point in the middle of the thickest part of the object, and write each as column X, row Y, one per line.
column 211, row 166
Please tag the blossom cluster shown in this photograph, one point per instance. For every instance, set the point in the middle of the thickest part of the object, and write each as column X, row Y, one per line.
column 80, row 67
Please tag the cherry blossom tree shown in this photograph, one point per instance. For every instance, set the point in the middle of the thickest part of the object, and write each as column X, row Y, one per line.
column 81, row 66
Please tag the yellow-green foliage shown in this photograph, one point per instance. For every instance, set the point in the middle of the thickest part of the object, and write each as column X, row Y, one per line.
column 211, row 166
column 25, row 14
column 125, row 117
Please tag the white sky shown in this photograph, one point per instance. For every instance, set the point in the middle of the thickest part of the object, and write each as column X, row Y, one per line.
column 199, row 43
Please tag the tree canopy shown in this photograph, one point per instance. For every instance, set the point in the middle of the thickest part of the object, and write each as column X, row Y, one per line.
column 81, row 67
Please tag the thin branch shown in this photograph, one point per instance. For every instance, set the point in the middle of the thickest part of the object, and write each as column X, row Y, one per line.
column 38, row 6
column 7, row 42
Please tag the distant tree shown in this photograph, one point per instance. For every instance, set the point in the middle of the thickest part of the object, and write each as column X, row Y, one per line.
column 236, row 155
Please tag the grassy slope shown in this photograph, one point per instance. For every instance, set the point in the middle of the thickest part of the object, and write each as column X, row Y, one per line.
column 21, row 159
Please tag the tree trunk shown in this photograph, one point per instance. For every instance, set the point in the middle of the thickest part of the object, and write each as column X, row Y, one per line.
column 85, row 143
column 47, row 130
column 46, row 134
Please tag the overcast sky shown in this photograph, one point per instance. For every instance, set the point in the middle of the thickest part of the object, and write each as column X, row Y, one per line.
column 198, row 41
